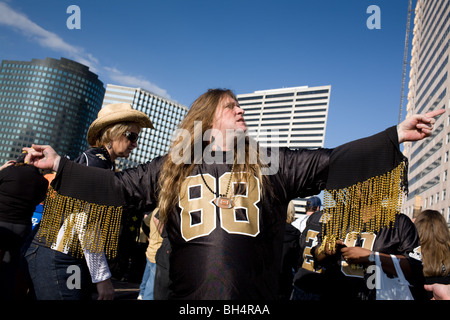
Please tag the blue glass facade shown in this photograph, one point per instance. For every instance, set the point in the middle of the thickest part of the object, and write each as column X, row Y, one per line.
column 47, row 102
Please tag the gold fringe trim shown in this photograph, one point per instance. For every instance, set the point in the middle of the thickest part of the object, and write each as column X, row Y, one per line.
column 72, row 226
column 366, row 206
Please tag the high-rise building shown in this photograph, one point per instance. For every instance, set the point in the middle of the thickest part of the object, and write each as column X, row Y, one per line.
column 288, row 117
column 429, row 89
column 47, row 102
column 164, row 113
column 298, row 114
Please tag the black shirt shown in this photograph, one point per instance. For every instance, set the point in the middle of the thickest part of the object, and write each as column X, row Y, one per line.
column 22, row 188
column 346, row 282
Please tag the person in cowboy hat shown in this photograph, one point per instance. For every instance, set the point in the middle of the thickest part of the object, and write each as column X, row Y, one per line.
column 112, row 135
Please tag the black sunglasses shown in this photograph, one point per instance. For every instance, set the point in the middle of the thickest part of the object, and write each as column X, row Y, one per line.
column 133, row 137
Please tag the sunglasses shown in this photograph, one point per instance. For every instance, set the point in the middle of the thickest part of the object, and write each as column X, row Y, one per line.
column 133, row 137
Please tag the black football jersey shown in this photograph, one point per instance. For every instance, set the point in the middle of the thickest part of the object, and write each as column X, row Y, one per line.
column 218, row 253
column 235, row 253
column 229, row 253
column 351, row 282
column 309, row 276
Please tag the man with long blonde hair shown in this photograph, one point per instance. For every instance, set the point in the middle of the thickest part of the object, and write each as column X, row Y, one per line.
column 223, row 198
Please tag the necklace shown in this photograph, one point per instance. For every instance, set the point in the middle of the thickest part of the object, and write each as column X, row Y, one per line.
column 222, row 200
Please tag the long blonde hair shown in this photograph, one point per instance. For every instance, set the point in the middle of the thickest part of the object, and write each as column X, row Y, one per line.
column 435, row 243
column 173, row 172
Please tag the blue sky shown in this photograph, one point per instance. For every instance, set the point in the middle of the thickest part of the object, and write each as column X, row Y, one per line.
column 181, row 48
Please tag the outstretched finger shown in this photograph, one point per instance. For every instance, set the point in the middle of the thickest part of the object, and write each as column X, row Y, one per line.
column 434, row 113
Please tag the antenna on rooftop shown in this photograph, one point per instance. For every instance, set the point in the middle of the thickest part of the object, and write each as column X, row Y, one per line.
column 405, row 62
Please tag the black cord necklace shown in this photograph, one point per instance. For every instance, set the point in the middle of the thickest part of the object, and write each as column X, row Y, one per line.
column 221, row 200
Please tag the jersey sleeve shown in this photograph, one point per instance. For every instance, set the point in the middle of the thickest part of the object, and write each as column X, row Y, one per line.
column 134, row 187
column 304, row 171
column 140, row 185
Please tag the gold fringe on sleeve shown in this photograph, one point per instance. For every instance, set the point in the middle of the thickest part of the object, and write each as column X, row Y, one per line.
column 73, row 226
column 365, row 206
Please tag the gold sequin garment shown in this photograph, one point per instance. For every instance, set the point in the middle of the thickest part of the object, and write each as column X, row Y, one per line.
column 72, row 226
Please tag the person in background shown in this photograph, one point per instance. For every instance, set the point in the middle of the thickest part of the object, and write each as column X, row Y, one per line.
column 146, row 288
column 308, row 281
column 112, row 135
column 346, row 268
column 290, row 255
column 435, row 243
column 312, row 205
column 22, row 188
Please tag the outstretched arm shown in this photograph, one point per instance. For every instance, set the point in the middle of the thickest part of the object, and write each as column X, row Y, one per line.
column 417, row 127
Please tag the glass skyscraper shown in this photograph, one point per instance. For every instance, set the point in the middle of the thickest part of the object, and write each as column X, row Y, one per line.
column 429, row 89
column 164, row 113
column 47, row 102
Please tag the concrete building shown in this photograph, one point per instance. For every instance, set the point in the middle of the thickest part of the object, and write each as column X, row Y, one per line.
column 164, row 113
column 293, row 117
column 429, row 89
column 47, row 102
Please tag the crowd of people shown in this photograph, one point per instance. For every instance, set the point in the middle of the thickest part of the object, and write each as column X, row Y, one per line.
column 422, row 245
column 217, row 220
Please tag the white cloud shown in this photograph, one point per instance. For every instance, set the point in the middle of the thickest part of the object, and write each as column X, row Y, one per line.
column 135, row 81
column 44, row 38
column 47, row 39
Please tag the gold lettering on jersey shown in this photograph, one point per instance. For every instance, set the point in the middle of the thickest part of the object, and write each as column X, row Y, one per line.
column 246, row 201
column 202, row 205
column 367, row 240
column 227, row 209
column 308, row 259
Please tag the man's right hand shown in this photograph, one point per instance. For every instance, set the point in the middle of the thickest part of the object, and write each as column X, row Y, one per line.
column 42, row 157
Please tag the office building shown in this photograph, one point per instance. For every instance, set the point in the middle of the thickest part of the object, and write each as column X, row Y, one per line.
column 293, row 117
column 164, row 113
column 429, row 89
column 47, row 102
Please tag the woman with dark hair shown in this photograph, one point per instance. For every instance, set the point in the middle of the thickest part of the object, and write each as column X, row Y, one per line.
column 22, row 188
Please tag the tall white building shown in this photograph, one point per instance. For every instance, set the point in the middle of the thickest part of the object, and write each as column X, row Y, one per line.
column 164, row 113
column 298, row 115
column 429, row 89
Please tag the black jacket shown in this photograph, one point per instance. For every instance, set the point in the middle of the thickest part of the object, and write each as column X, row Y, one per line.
column 22, row 188
column 96, row 157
